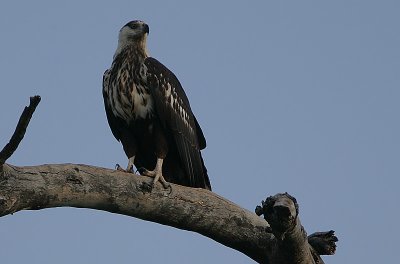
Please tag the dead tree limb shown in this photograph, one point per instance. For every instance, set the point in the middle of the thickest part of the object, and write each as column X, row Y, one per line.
column 281, row 212
column 197, row 210
column 20, row 130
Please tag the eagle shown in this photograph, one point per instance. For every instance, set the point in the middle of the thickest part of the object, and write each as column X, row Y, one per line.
column 149, row 113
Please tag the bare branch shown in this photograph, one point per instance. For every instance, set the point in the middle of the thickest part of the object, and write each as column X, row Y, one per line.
column 197, row 210
column 20, row 130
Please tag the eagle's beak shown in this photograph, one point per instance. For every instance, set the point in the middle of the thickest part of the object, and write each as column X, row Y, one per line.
column 146, row 28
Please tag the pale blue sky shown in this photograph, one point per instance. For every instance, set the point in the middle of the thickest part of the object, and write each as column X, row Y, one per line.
column 296, row 96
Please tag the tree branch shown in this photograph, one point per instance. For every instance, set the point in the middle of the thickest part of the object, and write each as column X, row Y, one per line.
column 20, row 130
column 197, row 210
column 83, row 186
column 293, row 246
column 323, row 242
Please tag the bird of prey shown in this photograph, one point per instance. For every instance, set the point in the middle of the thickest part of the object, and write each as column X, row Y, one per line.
column 149, row 113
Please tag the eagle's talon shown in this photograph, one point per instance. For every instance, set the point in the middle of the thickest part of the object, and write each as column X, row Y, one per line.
column 164, row 183
column 168, row 186
column 118, row 167
column 130, row 169
column 148, row 173
column 142, row 171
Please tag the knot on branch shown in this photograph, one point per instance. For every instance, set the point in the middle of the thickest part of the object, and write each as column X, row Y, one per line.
column 280, row 211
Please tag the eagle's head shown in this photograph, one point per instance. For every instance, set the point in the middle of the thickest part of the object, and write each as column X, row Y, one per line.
column 133, row 33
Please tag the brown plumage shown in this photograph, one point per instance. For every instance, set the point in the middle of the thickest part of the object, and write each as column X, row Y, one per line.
column 149, row 112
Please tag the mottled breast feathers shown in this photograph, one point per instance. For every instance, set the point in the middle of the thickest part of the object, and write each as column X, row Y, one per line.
column 125, row 91
column 144, row 88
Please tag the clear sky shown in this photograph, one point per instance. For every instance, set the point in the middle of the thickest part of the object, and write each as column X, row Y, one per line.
column 296, row 96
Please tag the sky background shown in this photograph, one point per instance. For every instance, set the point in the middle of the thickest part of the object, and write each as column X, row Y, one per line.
column 293, row 96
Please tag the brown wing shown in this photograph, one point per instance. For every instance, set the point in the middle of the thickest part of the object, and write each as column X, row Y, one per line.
column 174, row 113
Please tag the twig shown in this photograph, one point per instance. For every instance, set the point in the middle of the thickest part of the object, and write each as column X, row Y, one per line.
column 20, row 130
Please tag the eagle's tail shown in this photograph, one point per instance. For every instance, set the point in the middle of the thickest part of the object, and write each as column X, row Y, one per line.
column 191, row 171
column 194, row 167
column 206, row 180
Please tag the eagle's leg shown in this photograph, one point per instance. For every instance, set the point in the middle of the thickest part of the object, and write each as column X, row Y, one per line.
column 130, row 148
column 157, row 174
column 161, row 150
column 130, row 164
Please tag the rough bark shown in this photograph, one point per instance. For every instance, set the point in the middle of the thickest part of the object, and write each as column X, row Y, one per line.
column 197, row 210
column 85, row 186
